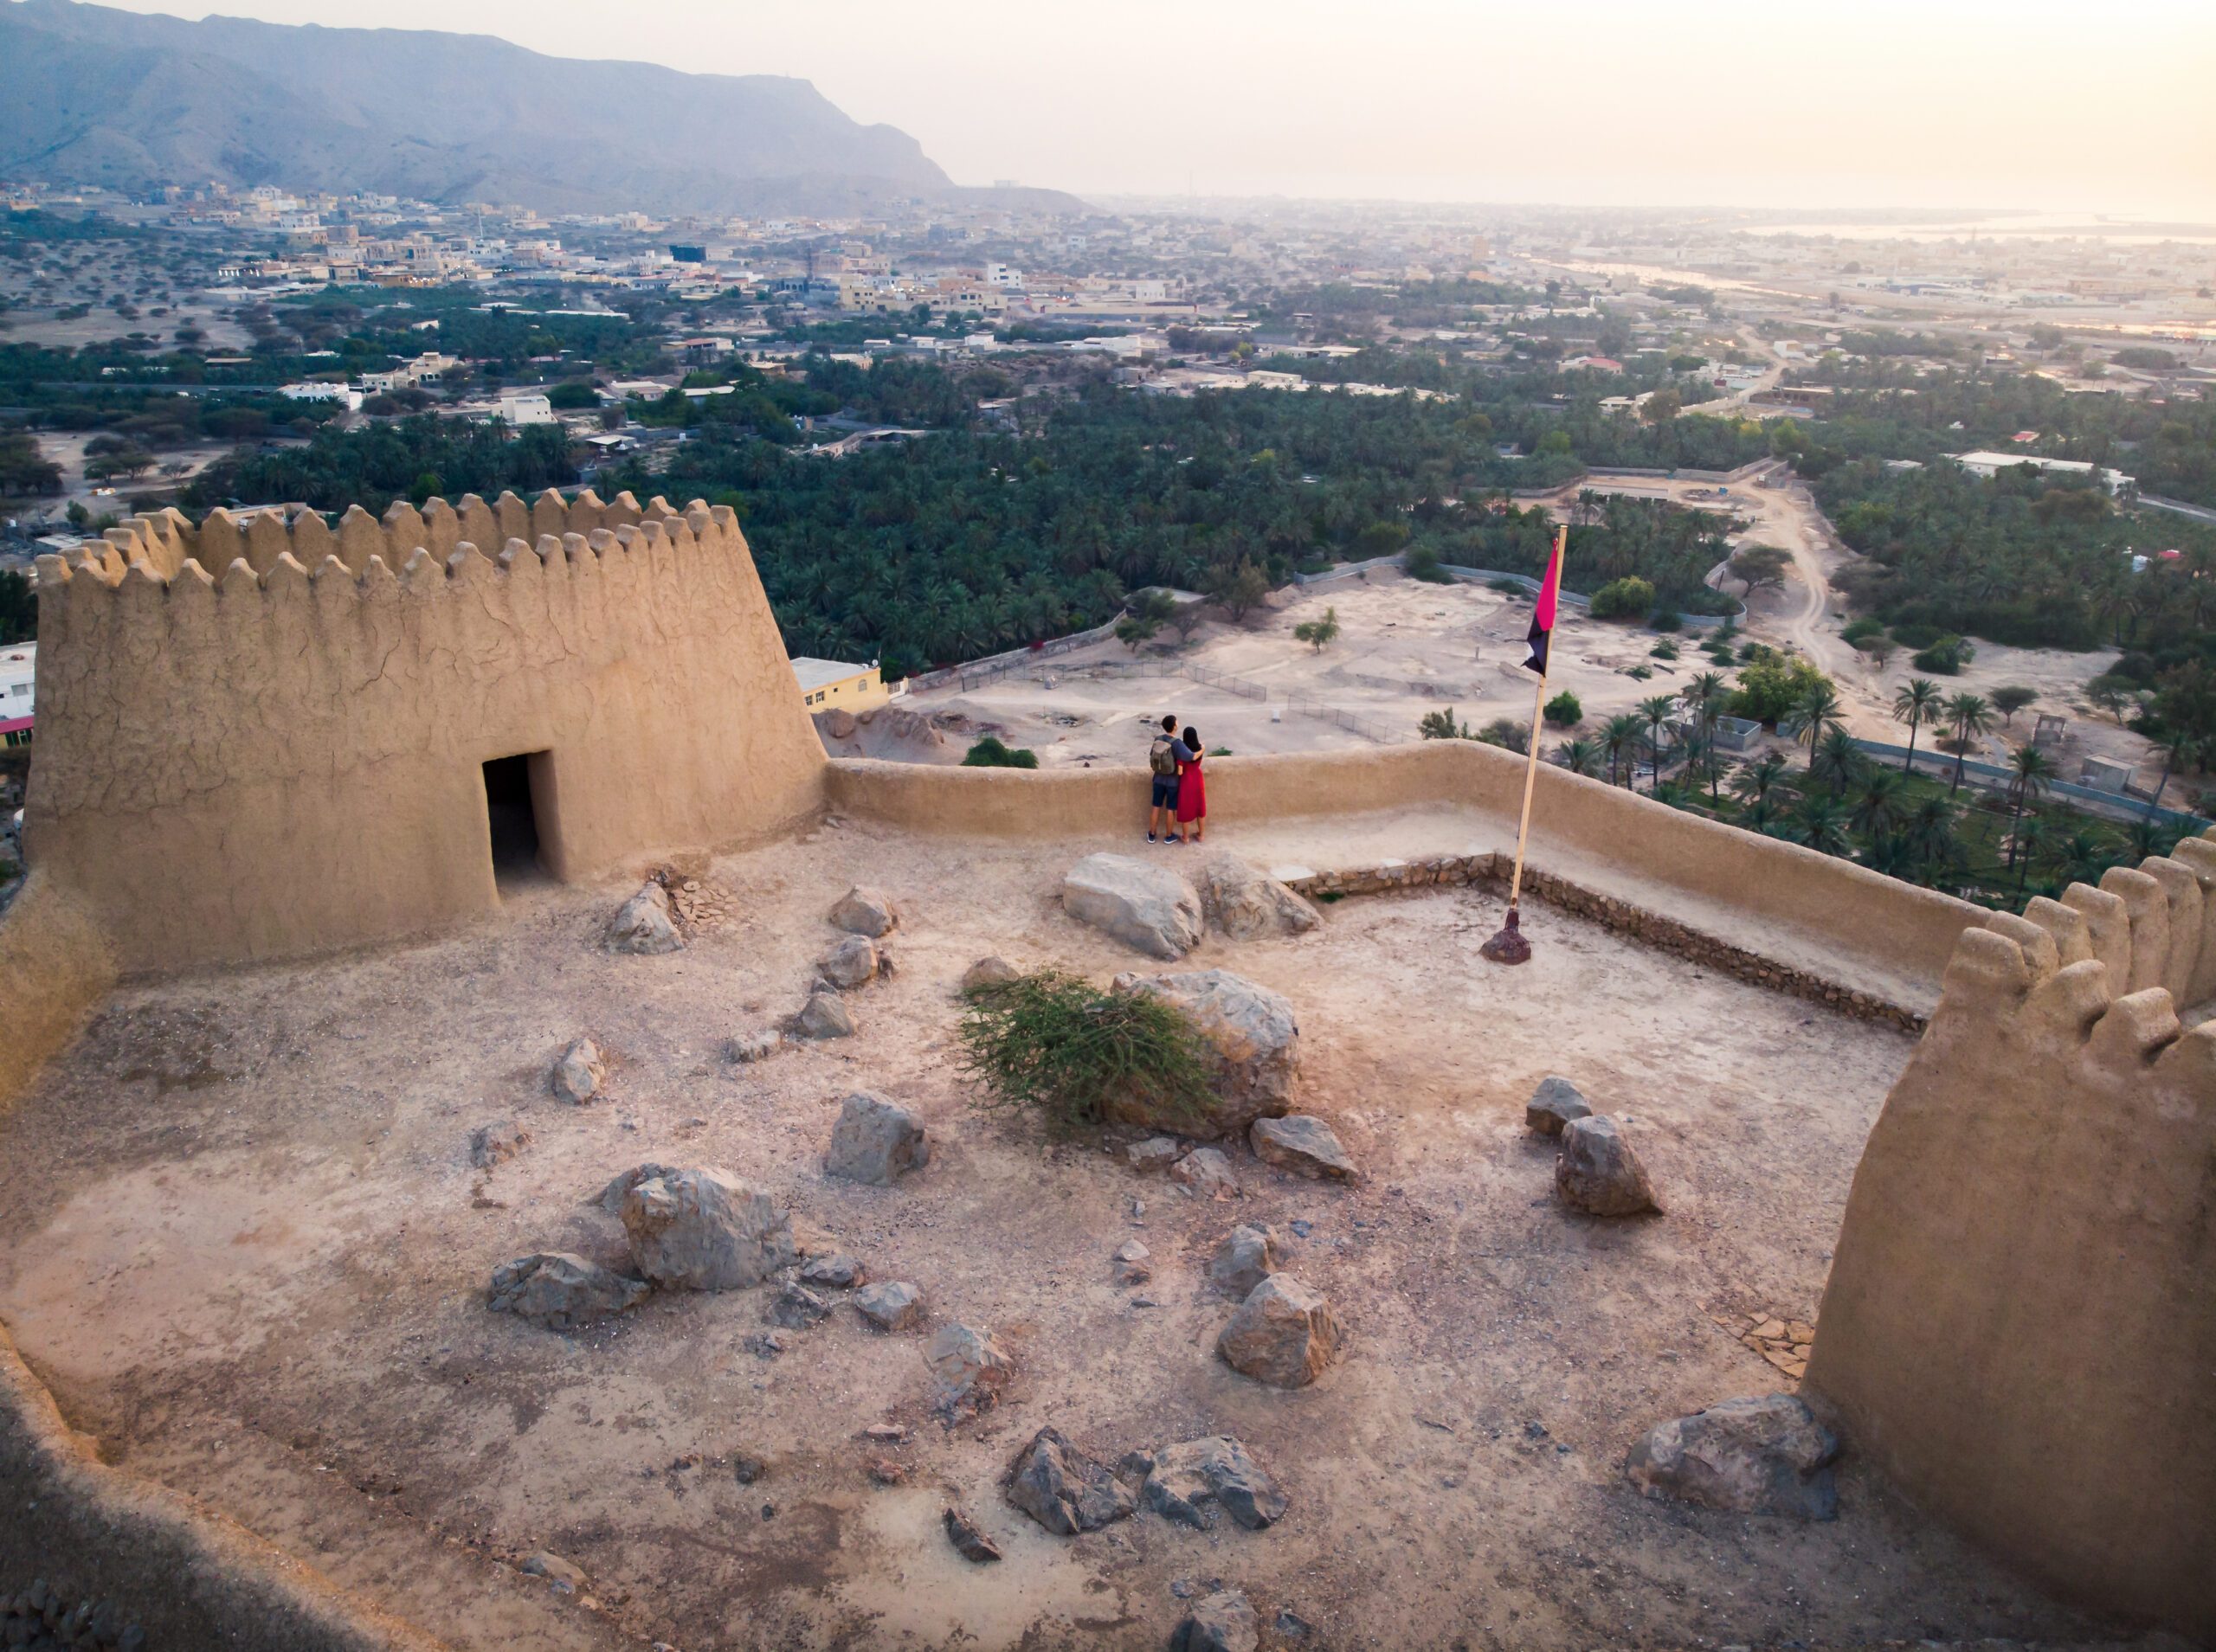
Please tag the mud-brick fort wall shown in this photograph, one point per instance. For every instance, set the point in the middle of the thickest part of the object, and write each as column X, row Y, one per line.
column 265, row 739
column 2020, row 1322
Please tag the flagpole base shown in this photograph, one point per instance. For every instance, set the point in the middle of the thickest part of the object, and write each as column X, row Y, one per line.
column 1509, row 947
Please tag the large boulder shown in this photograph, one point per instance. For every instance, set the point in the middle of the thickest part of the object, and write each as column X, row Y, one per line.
column 1283, row 1335
column 1765, row 1455
column 1598, row 1173
column 851, row 962
column 1192, row 1482
column 1553, row 1104
column 641, row 924
column 1065, row 1490
column 496, row 1143
column 705, row 1230
column 1222, row 1621
column 1303, row 1144
column 864, row 911
column 558, row 1290
column 579, row 1074
column 1254, row 1039
column 1142, row 905
column 1247, row 904
column 970, row 1368
column 989, row 972
column 875, row 1141
column 891, row 1305
column 1206, row 1173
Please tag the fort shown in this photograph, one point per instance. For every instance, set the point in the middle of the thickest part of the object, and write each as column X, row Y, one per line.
column 324, row 829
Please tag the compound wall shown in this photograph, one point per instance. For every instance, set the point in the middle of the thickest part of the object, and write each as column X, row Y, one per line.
column 285, row 755
column 2020, row 1322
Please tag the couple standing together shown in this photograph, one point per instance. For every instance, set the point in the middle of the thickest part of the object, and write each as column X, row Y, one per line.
column 1181, row 796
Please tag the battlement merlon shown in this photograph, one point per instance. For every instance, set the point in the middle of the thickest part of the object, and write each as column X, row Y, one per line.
column 164, row 543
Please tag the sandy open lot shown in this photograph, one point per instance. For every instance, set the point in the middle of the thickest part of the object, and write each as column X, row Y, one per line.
column 250, row 1254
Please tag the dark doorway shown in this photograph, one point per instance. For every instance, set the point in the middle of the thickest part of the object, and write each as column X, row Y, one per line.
column 513, row 825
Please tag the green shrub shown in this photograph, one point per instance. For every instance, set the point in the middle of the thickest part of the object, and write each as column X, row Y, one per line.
column 1509, row 587
column 1917, row 636
column 1504, row 731
column 1629, row 598
column 1563, row 712
column 989, row 753
column 1856, row 630
column 1947, row 656
column 1666, row 620
column 1052, row 1045
column 1640, row 673
column 1665, row 649
column 1422, row 563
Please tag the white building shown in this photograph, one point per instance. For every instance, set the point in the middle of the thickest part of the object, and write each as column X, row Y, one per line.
column 1991, row 465
column 18, row 683
column 527, row 409
column 345, row 394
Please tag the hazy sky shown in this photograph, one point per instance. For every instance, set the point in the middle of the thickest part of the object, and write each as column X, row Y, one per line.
column 1857, row 102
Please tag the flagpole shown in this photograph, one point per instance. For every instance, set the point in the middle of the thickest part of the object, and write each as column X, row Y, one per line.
column 1509, row 946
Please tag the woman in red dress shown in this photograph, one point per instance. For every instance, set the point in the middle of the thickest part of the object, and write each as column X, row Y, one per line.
column 1192, row 791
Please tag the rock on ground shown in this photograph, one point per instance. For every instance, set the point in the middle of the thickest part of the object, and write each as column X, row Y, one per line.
column 1598, row 1173
column 875, row 1141
column 796, row 1307
column 1246, row 1257
column 1190, row 1482
column 1223, row 1622
column 824, row 1016
column 1155, row 1152
column 836, row 1270
column 1766, row 1454
column 1283, row 1335
column 579, row 1074
column 988, row 972
column 558, row 1290
column 1144, row 906
column 851, row 962
column 1063, row 1489
column 864, row 911
column 758, row 1045
column 1133, row 1259
column 705, row 1230
column 891, row 1305
column 970, row 1543
column 1555, row 1103
column 562, row 1575
column 1303, row 1144
column 611, row 1197
column 1248, row 904
column 1207, row 1172
column 970, row 1367
column 1252, row 1035
column 641, row 924
column 496, row 1143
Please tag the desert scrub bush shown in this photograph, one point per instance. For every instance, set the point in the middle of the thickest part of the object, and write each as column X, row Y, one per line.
column 1563, row 712
column 992, row 752
column 1060, row 1048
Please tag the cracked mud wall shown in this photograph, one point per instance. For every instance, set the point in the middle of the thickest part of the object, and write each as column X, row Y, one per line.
column 2020, row 1322
column 286, row 757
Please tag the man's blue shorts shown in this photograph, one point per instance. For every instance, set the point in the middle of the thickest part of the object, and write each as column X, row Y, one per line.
column 1165, row 791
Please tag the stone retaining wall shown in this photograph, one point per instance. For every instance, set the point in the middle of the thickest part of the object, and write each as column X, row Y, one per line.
column 1649, row 929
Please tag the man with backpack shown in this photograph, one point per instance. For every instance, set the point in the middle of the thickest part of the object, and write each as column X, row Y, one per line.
column 1163, row 757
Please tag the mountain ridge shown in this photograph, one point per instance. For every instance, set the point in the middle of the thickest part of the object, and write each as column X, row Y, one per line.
column 90, row 95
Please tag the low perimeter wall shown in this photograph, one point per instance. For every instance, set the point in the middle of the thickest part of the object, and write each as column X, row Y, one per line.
column 2020, row 1327
column 185, row 1575
column 1836, row 905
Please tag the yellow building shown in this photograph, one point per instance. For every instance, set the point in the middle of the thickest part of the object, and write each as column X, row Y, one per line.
column 825, row 683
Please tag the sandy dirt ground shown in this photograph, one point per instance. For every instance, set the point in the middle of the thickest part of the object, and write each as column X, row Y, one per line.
column 250, row 1254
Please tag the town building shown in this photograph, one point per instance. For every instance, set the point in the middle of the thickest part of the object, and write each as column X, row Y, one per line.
column 835, row 684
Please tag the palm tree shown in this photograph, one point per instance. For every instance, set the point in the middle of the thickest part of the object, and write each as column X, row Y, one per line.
column 2150, row 837
column 1755, row 781
column 1838, row 759
column 1880, row 804
column 1969, row 716
column 1821, row 823
column 1930, row 837
column 1705, row 696
column 1654, row 712
column 1916, row 705
column 2026, row 845
column 1818, row 708
column 1618, row 734
column 1579, row 756
column 2030, row 773
column 2179, row 750
column 2081, row 858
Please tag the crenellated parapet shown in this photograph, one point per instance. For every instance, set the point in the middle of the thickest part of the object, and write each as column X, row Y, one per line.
column 2020, row 1322
column 261, row 694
